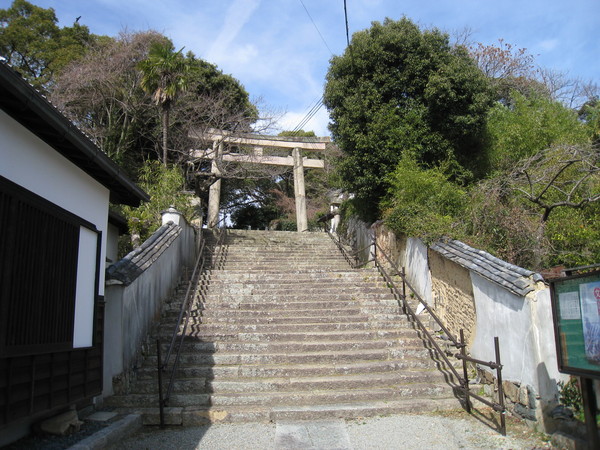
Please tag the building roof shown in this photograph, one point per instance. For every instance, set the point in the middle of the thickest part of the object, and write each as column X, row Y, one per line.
column 513, row 278
column 136, row 262
column 31, row 109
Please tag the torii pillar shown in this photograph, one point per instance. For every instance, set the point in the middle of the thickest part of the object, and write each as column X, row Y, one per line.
column 214, row 193
column 296, row 161
column 299, row 191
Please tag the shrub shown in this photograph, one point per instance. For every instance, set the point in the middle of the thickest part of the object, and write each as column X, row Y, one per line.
column 422, row 202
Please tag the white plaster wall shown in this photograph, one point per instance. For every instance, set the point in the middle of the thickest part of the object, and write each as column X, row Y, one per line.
column 31, row 163
column 131, row 310
column 547, row 368
column 417, row 268
column 363, row 238
column 524, row 327
column 112, row 244
column 28, row 161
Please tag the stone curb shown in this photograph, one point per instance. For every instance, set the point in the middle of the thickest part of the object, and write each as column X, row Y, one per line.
column 111, row 434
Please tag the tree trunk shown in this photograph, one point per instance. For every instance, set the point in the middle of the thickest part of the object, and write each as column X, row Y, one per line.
column 165, row 131
column 539, row 246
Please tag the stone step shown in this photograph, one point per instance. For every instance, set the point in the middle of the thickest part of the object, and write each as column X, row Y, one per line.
column 316, row 252
column 308, row 330
column 293, row 309
column 376, row 341
column 218, row 318
column 294, row 282
column 292, row 398
column 289, row 370
column 289, row 267
column 300, row 309
column 306, row 259
column 240, row 317
column 295, row 277
column 297, row 302
column 322, row 357
column 199, row 334
column 308, row 290
column 198, row 415
column 199, row 385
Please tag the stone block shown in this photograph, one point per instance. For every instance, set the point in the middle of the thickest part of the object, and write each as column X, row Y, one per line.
column 511, row 391
column 63, row 424
column 567, row 442
column 525, row 412
column 194, row 417
column 486, row 377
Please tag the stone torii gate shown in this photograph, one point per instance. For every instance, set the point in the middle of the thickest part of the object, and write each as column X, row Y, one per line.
column 258, row 143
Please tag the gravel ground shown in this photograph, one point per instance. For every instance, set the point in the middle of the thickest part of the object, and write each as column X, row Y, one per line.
column 45, row 441
column 450, row 430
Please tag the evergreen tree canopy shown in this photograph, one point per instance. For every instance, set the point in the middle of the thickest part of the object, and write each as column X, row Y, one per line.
column 398, row 89
column 36, row 46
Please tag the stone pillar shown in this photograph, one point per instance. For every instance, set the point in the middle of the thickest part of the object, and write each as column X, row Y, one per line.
column 214, row 193
column 299, row 191
column 336, row 219
column 171, row 215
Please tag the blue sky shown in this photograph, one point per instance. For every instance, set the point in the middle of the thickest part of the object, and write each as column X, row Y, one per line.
column 274, row 49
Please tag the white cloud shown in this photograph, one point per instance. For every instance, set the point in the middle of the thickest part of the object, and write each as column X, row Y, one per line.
column 237, row 15
column 548, row 45
column 318, row 123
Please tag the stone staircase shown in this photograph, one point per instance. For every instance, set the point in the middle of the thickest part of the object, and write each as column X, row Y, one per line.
column 288, row 331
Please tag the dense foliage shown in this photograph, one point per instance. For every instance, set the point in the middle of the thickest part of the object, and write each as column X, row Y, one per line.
column 397, row 90
column 422, row 202
column 34, row 44
column 474, row 145
column 165, row 187
column 529, row 125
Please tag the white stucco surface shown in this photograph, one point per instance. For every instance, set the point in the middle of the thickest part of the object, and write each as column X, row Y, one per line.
column 31, row 163
column 131, row 310
column 417, row 268
column 86, row 283
column 524, row 325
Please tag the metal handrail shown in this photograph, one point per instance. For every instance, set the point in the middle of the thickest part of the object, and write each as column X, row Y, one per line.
column 349, row 256
column 451, row 337
column 462, row 380
column 411, row 313
column 406, row 307
column 185, row 311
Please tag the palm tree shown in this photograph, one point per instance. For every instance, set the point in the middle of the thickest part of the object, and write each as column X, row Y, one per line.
column 164, row 76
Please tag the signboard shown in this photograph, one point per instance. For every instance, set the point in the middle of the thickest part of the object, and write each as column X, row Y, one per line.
column 576, row 310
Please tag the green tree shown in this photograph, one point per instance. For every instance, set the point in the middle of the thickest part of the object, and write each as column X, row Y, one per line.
column 422, row 202
column 165, row 77
column 164, row 185
column 396, row 90
column 102, row 93
column 529, row 125
column 36, row 46
column 590, row 114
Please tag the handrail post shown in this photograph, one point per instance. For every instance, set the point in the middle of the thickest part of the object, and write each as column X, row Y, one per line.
column 375, row 248
column 403, row 276
column 500, row 387
column 463, row 351
column 160, row 390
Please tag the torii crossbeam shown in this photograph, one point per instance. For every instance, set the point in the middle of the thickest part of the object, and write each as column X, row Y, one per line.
column 258, row 143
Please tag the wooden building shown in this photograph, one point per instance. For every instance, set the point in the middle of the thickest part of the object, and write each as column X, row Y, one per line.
column 55, row 189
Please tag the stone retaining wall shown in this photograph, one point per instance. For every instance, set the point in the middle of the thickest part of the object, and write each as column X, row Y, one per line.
column 486, row 297
column 452, row 293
